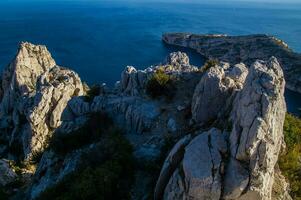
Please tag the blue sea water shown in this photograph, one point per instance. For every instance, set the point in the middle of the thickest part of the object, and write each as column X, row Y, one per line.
column 98, row 38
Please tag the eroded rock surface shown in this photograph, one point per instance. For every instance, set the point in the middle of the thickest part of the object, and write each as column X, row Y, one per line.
column 258, row 116
column 217, row 85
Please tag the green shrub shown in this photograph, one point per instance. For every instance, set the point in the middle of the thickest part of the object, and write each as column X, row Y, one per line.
column 16, row 148
column 3, row 194
column 209, row 63
column 290, row 161
column 92, row 92
column 36, row 157
column 97, row 124
column 160, row 85
column 153, row 168
column 110, row 177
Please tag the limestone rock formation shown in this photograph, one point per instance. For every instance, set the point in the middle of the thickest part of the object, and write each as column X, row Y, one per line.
column 246, row 49
column 215, row 88
column 258, row 116
column 245, row 170
column 35, row 93
column 133, row 81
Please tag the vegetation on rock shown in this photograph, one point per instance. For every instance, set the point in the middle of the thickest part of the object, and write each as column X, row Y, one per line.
column 209, row 63
column 106, row 170
column 97, row 124
column 92, row 92
column 160, row 85
column 290, row 160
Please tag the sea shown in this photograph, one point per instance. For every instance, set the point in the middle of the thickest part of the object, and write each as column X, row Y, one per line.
column 99, row 38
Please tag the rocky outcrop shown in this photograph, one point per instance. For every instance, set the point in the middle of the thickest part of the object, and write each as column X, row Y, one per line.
column 217, row 85
column 246, row 49
column 258, row 116
column 245, row 170
column 35, row 93
column 133, row 81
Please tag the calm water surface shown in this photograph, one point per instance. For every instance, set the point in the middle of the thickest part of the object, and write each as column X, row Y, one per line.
column 98, row 38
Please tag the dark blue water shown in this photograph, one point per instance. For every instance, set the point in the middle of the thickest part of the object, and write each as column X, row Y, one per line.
column 99, row 38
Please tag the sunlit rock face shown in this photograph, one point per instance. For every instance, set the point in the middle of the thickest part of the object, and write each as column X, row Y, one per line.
column 35, row 91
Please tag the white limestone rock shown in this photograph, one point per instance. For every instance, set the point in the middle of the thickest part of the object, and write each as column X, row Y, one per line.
column 35, row 93
column 258, row 116
column 214, row 90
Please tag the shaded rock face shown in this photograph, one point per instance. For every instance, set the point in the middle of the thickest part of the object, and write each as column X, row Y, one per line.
column 52, row 169
column 7, row 175
column 194, row 167
column 238, row 164
column 246, row 49
column 217, row 86
column 35, row 93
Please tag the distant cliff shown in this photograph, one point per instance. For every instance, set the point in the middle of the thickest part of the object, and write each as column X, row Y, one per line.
column 219, row 129
column 246, row 49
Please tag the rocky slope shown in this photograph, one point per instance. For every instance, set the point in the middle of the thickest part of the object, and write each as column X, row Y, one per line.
column 246, row 49
column 226, row 121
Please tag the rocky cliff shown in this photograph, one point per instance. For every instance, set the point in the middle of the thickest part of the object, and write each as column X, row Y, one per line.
column 246, row 49
column 226, row 121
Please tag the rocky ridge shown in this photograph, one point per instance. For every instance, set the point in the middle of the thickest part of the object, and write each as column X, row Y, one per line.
column 227, row 121
column 246, row 49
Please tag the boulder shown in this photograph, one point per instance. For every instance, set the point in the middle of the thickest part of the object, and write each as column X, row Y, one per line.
column 193, row 169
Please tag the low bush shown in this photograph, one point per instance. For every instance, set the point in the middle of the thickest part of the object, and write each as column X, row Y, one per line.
column 36, row 157
column 97, row 124
column 160, row 85
column 290, row 160
column 110, row 177
column 153, row 168
column 209, row 63
column 92, row 92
